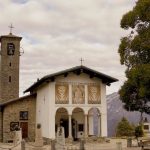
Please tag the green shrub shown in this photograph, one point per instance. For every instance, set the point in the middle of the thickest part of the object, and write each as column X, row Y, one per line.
column 124, row 128
column 139, row 131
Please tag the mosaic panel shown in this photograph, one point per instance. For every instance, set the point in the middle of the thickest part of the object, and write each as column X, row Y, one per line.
column 61, row 93
column 94, row 94
column 78, row 94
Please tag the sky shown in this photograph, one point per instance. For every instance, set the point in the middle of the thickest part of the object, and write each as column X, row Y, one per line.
column 58, row 33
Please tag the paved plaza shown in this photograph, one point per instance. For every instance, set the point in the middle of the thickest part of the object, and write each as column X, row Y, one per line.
column 75, row 146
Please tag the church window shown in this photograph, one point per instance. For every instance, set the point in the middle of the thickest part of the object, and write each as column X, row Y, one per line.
column 23, row 115
column 146, row 127
column 10, row 64
column 9, row 78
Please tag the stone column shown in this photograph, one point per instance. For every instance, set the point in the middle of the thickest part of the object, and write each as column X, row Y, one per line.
column 85, row 125
column 86, row 94
column 91, row 126
column 70, row 127
column 1, row 125
column 103, row 125
column 99, row 125
column 70, row 94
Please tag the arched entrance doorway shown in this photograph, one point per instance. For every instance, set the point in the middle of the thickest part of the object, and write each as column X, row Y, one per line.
column 77, row 123
column 94, row 122
column 61, row 119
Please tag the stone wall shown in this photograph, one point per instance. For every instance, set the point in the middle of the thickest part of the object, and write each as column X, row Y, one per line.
column 9, row 69
column 11, row 113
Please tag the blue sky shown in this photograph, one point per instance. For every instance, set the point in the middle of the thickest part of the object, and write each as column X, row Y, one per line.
column 20, row 1
column 57, row 33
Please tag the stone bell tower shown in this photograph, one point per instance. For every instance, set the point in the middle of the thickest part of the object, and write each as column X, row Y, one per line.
column 9, row 67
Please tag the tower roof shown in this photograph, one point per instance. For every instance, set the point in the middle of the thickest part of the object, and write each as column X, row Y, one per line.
column 10, row 36
column 77, row 70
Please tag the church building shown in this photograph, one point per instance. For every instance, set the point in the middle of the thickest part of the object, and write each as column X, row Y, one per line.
column 74, row 98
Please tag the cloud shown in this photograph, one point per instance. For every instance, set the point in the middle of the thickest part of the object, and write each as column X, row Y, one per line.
column 56, row 34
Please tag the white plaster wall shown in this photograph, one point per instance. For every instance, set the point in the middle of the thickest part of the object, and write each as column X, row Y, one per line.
column 52, row 111
column 103, row 111
column 148, row 124
column 42, row 111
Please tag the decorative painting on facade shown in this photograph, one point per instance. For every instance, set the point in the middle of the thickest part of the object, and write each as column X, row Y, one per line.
column 14, row 126
column 62, row 93
column 94, row 94
column 23, row 115
column 78, row 94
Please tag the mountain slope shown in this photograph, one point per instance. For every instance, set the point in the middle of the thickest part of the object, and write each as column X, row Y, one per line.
column 115, row 112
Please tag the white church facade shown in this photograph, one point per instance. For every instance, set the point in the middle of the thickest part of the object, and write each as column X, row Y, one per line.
column 74, row 98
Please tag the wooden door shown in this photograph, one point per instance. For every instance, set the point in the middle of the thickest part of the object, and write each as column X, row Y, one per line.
column 24, row 127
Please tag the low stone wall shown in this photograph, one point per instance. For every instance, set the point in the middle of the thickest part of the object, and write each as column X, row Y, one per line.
column 94, row 139
column 47, row 141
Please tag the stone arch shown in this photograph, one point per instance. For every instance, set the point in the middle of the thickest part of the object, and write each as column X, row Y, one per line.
column 78, row 123
column 97, row 110
column 61, row 119
column 94, row 121
column 61, row 108
column 78, row 109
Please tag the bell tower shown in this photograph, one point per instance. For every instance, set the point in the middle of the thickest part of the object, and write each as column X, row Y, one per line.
column 9, row 67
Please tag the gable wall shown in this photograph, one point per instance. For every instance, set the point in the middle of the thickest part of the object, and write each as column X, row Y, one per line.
column 46, row 107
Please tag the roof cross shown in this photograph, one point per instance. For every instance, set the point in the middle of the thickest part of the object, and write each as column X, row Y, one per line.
column 81, row 61
column 11, row 27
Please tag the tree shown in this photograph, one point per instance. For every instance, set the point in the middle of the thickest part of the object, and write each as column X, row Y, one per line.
column 138, row 131
column 124, row 128
column 135, row 92
column 135, row 48
column 134, row 53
